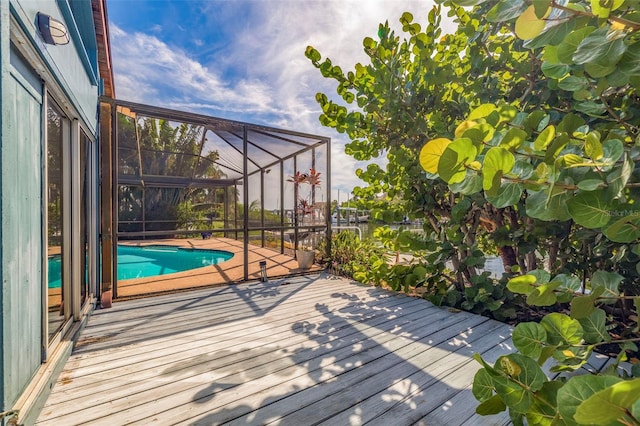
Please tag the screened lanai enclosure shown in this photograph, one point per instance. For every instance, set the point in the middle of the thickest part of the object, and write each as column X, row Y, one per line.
column 174, row 180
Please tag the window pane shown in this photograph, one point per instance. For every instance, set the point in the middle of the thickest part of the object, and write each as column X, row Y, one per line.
column 55, row 232
column 85, row 212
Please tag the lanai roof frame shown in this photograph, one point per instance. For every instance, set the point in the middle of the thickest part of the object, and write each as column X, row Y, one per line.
column 261, row 148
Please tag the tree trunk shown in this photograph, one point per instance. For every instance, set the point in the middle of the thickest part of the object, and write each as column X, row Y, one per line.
column 508, row 256
column 459, row 277
column 553, row 255
column 532, row 263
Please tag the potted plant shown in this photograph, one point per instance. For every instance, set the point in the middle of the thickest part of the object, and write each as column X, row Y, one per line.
column 304, row 213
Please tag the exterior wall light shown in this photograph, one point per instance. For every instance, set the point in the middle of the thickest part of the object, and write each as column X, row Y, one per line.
column 52, row 30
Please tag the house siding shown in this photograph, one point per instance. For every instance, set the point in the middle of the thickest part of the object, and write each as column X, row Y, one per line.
column 21, row 236
column 28, row 67
column 65, row 61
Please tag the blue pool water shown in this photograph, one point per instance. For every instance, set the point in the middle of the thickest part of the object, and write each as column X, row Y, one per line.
column 148, row 261
column 54, row 277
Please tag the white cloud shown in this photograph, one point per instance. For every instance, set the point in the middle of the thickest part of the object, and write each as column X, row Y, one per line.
column 260, row 73
column 170, row 76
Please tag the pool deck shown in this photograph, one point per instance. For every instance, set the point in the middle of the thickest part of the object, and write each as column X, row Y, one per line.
column 231, row 271
column 302, row 350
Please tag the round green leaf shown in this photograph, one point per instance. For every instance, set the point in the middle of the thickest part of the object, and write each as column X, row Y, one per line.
column 472, row 184
column 541, row 275
column 572, row 160
column 420, row 271
column 603, row 9
column 528, row 25
column 508, row 194
column 522, row 378
column 618, row 78
column 630, row 62
column 567, row 48
column 571, row 358
column 555, row 148
column 562, row 329
column 544, row 407
column 570, row 282
column 516, row 397
column 540, row 206
column 431, row 152
column 572, row 83
column 555, row 71
column 581, row 307
column 537, row 120
column 542, row 8
column 544, row 294
column 570, row 124
column 625, row 229
column 610, row 404
column 595, row 327
column 610, row 281
column 544, row 138
column 507, row 113
column 482, row 111
column 526, row 371
column 549, row 57
column 480, row 133
column 592, row 146
column 522, row 284
column 312, row 54
column 406, row 18
column 551, row 36
column 619, row 177
column 506, row 10
column 463, row 127
column 579, row 389
column 513, row 139
column 452, row 166
column 599, row 46
column 589, row 209
column 522, row 169
column 460, row 209
column 600, row 69
column 612, row 150
column 482, row 385
column 497, row 162
column 491, row 406
column 529, row 338
column 590, row 184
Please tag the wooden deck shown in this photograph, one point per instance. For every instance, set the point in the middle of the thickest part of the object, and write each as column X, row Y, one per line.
column 296, row 351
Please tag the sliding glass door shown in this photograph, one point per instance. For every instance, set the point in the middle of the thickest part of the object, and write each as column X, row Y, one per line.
column 58, row 132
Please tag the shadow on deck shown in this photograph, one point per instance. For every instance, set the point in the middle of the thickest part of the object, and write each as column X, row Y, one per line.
column 299, row 351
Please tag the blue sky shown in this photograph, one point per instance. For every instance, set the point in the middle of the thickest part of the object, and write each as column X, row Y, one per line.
column 244, row 60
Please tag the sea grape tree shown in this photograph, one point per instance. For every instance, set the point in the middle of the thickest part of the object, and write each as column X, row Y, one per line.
column 421, row 88
column 577, row 165
column 525, row 125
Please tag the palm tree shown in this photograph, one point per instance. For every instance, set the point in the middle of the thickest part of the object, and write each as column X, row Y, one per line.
column 168, row 150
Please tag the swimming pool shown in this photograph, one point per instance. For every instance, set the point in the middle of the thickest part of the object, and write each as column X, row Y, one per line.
column 148, row 261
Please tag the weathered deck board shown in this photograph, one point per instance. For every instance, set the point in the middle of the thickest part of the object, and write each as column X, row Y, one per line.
column 338, row 380
column 380, row 357
column 193, row 360
column 296, row 351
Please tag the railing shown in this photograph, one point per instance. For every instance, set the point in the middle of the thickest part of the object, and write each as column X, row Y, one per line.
column 352, row 228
